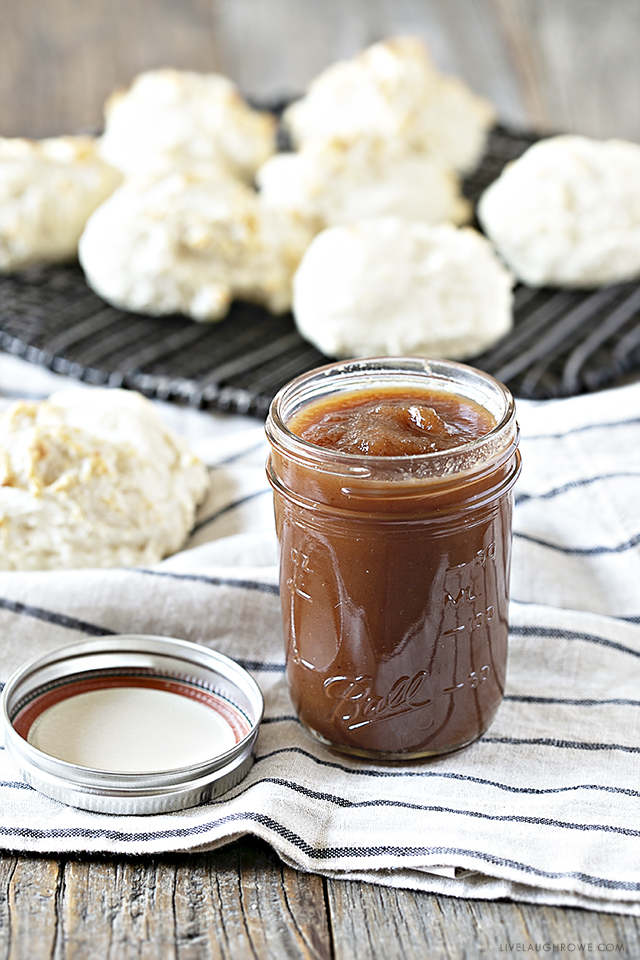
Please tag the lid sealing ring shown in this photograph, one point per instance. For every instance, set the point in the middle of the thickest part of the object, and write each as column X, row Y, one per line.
column 132, row 724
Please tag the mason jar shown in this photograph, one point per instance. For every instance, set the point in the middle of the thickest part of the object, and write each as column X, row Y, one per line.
column 394, row 569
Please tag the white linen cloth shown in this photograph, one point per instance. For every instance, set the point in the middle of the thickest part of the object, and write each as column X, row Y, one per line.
column 544, row 808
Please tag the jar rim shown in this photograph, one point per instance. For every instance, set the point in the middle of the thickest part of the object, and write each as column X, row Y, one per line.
column 280, row 435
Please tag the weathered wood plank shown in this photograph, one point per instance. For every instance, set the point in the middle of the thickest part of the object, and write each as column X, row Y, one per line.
column 523, row 53
column 236, row 903
column 378, row 923
column 32, row 907
column 557, row 925
column 578, row 63
column 60, row 59
column 252, row 906
column 553, row 64
column 7, row 867
column 241, row 902
column 117, row 911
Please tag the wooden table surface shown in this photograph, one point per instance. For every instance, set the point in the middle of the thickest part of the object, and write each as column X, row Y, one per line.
column 548, row 64
column 242, row 902
column 559, row 65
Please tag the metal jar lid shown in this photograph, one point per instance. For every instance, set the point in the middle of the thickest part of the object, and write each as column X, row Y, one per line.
column 174, row 668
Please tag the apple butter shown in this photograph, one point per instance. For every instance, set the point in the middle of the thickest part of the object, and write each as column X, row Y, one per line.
column 393, row 496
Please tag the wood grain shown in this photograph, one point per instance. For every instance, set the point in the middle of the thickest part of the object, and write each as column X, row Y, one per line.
column 242, row 903
column 60, row 59
column 378, row 922
column 32, row 900
column 236, row 903
column 116, row 910
column 551, row 64
column 577, row 63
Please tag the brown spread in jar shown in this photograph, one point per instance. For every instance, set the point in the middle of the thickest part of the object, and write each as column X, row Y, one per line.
column 394, row 585
column 391, row 423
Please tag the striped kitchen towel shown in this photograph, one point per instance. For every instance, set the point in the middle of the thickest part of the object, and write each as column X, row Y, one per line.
column 544, row 808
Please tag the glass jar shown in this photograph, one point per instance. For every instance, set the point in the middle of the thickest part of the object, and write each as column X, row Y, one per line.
column 394, row 570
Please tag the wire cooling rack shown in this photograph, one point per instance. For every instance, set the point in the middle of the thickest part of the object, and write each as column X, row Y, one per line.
column 564, row 342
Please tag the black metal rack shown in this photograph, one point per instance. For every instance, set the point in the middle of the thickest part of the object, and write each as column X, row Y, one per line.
column 564, row 342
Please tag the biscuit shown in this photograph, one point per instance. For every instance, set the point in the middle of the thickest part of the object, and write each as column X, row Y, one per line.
column 338, row 181
column 48, row 189
column 189, row 243
column 393, row 90
column 567, row 213
column 171, row 118
column 389, row 287
column 93, row 479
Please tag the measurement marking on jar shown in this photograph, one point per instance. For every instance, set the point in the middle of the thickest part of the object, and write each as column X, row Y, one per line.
column 475, row 620
column 301, row 566
column 479, row 560
column 465, row 593
column 462, row 592
column 474, row 680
